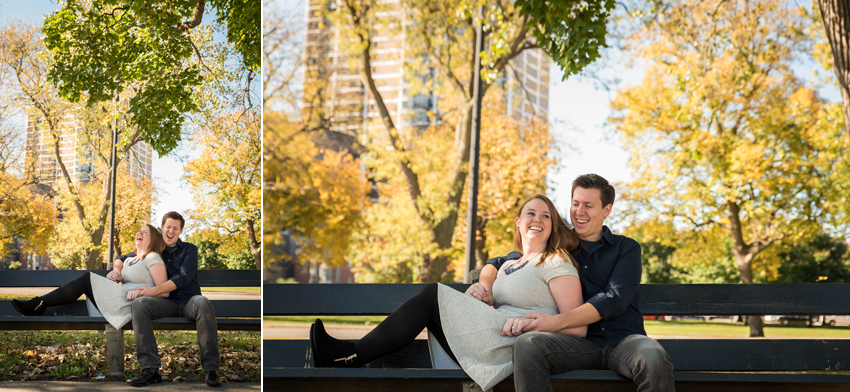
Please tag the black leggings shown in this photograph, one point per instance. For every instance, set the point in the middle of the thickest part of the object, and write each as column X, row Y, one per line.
column 403, row 325
column 70, row 292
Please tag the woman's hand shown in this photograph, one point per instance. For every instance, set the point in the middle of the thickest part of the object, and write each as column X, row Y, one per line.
column 133, row 294
column 481, row 293
column 515, row 326
column 115, row 276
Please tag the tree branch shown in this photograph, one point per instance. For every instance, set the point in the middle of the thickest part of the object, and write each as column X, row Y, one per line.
column 199, row 15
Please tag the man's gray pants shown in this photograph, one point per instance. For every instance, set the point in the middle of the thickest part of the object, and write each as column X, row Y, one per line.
column 539, row 354
column 198, row 308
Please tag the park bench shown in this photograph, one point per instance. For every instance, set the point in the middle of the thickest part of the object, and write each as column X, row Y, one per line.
column 700, row 364
column 240, row 315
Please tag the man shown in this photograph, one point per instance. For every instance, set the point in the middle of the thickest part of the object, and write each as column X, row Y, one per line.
column 610, row 269
column 184, row 300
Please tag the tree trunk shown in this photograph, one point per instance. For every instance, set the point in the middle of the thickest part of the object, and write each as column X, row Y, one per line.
column 256, row 246
column 836, row 22
column 93, row 258
column 744, row 262
column 433, row 267
column 743, row 258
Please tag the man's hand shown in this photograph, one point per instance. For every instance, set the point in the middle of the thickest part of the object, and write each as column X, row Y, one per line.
column 133, row 294
column 542, row 322
column 147, row 291
column 515, row 326
column 481, row 293
column 115, row 276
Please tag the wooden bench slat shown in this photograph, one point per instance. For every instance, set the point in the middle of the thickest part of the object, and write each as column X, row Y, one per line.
column 44, row 323
column 291, row 373
column 686, row 354
column 223, row 308
column 56, row 278
column 655, row 299
column 372, row 380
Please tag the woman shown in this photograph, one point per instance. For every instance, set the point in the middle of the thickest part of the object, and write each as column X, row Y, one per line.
column 112, row 295
column 477, row 336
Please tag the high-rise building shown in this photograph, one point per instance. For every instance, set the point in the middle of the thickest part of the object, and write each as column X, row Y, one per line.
column 77, row 155
column 348, row 103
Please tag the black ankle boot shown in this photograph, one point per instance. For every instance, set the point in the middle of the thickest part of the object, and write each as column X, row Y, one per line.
column 330, row 352
column 33, row 307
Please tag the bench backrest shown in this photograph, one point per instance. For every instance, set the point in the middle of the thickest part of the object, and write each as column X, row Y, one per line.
column 655, row 299
column 56, row 278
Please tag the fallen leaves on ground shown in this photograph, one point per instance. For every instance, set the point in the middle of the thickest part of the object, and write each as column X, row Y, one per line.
column 36, row 355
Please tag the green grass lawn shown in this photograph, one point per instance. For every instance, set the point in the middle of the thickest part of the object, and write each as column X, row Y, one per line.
column 254, row 288
column 739, row 330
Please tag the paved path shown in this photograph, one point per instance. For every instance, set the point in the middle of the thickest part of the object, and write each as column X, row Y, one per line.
column 302, row 331
column 118, row 386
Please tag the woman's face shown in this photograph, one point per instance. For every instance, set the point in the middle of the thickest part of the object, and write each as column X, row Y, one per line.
column 143, row 238
column 535, row 223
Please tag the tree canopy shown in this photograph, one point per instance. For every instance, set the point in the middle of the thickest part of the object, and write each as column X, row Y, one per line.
column 102, row 48
column 724, row 137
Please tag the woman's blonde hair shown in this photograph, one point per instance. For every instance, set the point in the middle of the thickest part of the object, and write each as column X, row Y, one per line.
column 561, row 241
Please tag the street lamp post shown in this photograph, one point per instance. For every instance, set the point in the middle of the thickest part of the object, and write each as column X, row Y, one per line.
column 114, row 169
column 474, row 148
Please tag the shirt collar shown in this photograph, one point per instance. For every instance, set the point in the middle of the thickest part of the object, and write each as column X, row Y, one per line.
column 607, row 235
column 178, row 245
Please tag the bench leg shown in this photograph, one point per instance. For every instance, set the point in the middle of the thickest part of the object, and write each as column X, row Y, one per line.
column 115, row 350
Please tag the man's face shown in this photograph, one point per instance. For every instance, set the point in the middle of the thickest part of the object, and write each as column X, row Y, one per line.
column 171, row 231
column 588, row 214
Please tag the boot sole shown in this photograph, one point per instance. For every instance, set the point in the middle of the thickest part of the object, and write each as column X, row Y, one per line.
column 154, row 381
column 313, row 350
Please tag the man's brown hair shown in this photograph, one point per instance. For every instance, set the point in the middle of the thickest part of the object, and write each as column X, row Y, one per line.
column 173, row 215
column 595, row 181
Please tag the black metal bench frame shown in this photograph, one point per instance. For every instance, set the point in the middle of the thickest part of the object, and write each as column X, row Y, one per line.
column 231, row 315
column 700, row 364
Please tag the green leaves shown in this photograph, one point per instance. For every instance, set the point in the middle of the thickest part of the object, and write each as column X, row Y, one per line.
column 571, row 31
column 242, row 19
column 109, row 47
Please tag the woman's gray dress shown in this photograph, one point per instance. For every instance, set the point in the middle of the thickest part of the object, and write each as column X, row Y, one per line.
column 473, row 329
column 111, row 297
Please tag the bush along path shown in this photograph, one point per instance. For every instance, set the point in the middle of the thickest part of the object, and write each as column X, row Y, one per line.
column 81, row 355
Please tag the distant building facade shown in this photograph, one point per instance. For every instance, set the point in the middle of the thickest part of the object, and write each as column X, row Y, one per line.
column 349, row 103
column 302, row 271
column 77, row 155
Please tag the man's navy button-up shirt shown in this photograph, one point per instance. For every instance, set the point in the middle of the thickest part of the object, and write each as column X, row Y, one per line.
column 610, row 273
